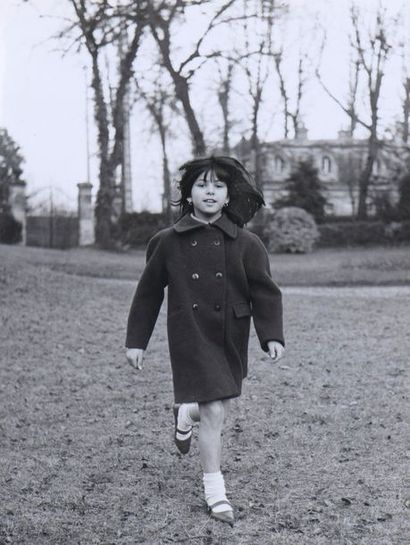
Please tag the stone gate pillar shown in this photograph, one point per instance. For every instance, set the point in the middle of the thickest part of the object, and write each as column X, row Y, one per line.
column 86, row 234
column 17, row 202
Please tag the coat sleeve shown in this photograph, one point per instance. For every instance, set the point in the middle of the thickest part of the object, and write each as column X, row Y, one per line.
column 148, row 296
column 265, row 295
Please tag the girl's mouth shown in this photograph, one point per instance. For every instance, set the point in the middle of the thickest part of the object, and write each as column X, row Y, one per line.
column 210, row 200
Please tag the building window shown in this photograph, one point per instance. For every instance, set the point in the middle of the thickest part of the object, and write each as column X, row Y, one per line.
column 326, row 165
column 376, row 167
column 279, row 164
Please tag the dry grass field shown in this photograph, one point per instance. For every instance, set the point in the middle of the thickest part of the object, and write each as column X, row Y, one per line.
column 324, row 267
column 316, row 449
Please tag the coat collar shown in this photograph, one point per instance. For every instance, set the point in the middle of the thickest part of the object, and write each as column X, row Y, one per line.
column 187, row 223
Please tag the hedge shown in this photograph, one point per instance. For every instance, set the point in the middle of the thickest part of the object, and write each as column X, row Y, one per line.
column 136, row 228
column 10, row 229
column 363, row 233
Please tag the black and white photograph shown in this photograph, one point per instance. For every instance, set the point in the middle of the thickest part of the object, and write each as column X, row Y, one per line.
column 204, row 272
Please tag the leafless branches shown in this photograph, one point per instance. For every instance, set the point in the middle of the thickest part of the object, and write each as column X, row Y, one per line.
column 370, row 50
column 98, row 25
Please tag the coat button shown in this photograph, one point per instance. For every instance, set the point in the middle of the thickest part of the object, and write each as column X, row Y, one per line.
column 219, row 275
column 195, row 306
column 217, row 307
column 195, row 276
column 217, row 242
column 194, row 242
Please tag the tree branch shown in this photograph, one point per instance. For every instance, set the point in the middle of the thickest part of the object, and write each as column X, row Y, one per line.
column 347, row 110
column 211, row 25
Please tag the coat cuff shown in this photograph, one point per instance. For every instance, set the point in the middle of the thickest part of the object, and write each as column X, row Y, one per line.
column 264, row 344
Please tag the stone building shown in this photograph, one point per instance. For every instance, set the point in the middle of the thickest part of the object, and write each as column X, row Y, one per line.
column 338, row 161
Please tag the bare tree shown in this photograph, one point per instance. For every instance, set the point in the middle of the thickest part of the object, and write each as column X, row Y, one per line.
column 372, row 58
column 100, row 27
column 256, row 84
column 350, row 107
column 254, row 61
column 162, row 18
column 405, row 85
column 158, row 101
column 406, row 108
column 371, row 51
column 290, row 114
column 225, row 83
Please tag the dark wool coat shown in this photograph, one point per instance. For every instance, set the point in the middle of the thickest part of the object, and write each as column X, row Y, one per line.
column 217, row 275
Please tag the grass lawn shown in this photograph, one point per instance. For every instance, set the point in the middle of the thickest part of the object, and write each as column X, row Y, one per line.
column 325, row 267
column 316, row 448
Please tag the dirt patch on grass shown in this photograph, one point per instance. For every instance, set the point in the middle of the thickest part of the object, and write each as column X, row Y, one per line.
column 315, row 449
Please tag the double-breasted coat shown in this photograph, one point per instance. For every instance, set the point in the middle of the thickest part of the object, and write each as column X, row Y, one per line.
column 218, row 275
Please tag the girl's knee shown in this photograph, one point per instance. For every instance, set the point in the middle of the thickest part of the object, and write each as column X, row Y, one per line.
column 212, row 413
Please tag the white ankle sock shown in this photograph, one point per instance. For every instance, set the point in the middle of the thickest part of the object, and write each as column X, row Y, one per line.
column 214, row 486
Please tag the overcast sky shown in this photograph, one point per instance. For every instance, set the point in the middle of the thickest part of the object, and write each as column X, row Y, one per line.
column 43, row 100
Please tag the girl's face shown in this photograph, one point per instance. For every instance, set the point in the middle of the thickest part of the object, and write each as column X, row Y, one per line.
column 209, row 196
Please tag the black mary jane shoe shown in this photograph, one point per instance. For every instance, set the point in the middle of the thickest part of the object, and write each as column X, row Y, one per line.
column 183, row 445
column 223, row 516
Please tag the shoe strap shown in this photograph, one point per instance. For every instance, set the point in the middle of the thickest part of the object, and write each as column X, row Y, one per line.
column 220, row 502
column 184, row 432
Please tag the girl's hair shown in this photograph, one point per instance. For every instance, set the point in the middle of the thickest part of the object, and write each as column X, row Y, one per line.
column 244, row 198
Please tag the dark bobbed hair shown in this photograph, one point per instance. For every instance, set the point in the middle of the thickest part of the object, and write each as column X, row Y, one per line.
column 245, row 198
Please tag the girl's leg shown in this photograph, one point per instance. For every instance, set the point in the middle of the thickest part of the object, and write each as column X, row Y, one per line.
column 188, row 415
column 212, row 418
column 193, row 412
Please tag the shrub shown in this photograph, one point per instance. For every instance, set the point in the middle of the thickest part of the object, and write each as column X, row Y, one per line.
column 136, row 228
column 403, row 233
column 10, row 229
column 403, row 205
column 291, row 230
column 305, row 190
column 385, row 207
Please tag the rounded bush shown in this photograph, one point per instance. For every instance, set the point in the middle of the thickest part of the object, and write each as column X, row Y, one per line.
column 291, row 230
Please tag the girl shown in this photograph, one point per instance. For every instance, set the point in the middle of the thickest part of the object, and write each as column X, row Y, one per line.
column 217, row 275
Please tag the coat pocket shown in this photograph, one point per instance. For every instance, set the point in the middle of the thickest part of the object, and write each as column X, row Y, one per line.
column 241, row 310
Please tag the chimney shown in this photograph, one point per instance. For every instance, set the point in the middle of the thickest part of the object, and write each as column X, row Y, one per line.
column 344, row 134
column 301, row 132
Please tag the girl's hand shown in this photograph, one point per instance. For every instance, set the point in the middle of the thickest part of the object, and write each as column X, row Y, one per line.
column 135, row 357
column 276, row 350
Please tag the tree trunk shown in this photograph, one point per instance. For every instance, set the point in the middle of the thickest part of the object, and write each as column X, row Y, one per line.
column 105, row 194
column 365, row 178
column 182, row 93
column 255, row 144
column 224, row 97
column 166, row 177
column 180, row 83
column 406, row 110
